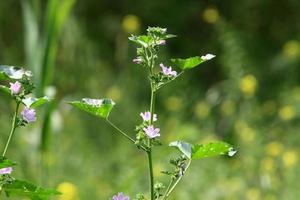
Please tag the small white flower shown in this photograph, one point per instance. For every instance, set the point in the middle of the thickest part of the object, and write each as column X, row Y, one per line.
column 207, row 57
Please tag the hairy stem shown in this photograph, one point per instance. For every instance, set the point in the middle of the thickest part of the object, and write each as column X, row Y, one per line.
column 13, row 128
column 177, row 181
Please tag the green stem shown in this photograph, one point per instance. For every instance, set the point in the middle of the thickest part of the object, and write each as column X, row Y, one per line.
column 13, row 128
column 168, row 188
column 177, row 181
column 120, row 131
column 149, row 152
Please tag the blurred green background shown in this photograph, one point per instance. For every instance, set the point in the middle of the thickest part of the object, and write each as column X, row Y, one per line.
column 248, row 96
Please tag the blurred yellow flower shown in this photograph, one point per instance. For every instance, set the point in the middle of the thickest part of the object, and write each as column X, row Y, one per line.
column 228, row 107
column 286, row 113
column 69, row 191
column 202, row 109
column 274, row 149
column 269, row 107
column 291, row 49
column 173, row 103
column 253, row 194
column 131, row 24
column 246, row 133
column 210, row 15
column 114, row 93
column 289, row 158
column 248, row 85
column 267, row 164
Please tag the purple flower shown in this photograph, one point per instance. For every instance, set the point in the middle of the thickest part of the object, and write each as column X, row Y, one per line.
column 28, row 115
column 167, row 71
column 147, row 116
column 6, row 170
column 152, row 132
column 15, row 88
column 162, row 42
column 137, row 60
column 120, row 196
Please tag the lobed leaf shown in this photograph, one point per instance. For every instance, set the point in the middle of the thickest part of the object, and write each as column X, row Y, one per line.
column 26, row 189
column 33, row 102
column 189, row 63
column 197, row 151
column 4, row 162
column 11, row 72
column 98, row 107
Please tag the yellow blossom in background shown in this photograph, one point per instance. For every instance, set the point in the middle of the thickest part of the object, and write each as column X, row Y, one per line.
column 248, row 85
column 269, row 107
column 246, row 133
column 291, row 49
column 114, row 93
column 210, row 15
column 289, row 158
column 274, row 149
column 286, row 113
column 69, row 191
column 131, row 24
column 202, row 109
column 228, row 107
column 253, row 194
column 267, row 164
column 173, row 103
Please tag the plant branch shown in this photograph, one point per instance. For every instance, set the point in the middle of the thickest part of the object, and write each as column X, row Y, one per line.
column 13, row 128
column 120, row 131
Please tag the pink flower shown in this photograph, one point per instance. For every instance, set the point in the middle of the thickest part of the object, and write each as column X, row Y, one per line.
column 167, row 71
column 162, row 42
column 152, row 132
column 147, row 116
column 15, row 88
column 137, row 60
column 6, row 170
column 120, row 196
column 28, row 115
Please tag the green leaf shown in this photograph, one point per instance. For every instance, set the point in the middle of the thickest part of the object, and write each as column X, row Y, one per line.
column 35, row 102
column 203, row 151
column 26, row 189
column 5, row 90
column 212, row 149
column 191, row 62
column 11, row 72
column 184, row 147
column 143, row 40
column 98, row 107
column 4, row 162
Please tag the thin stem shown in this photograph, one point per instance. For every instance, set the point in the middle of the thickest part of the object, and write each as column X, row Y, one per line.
column 168, row 188
column 13, row 128
column 177, row 181
column 120, row 131
column 170, row 80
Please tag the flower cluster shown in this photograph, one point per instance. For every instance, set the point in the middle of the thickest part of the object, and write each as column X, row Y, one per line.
column 167, row 71
column 148, row 129
column 120, row 196
column 6, row 170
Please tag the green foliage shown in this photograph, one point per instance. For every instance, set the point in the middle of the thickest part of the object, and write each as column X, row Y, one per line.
column 97, row 107
column 4, row 162
column 11, row 72
column 33, row 102
column 188, row 63
column 196, row 151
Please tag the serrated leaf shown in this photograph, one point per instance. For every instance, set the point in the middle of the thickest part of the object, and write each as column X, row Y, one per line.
column 25, row 189
column 11, row 72
column 212, row 149
column 5, row 90
column 33, row 102
column 184, row 147
column 189, row 63
column 4, row 162
column 98, row 107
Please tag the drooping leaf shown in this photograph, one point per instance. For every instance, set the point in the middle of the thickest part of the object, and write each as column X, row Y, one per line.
column 25, row 189
column 4, row 162
column 197, row 151
column 212, row 149
column 11, row 72
column 184, row 147
column 5, row 90
column 33, row 102
column 191, row 62
column 98, row 107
